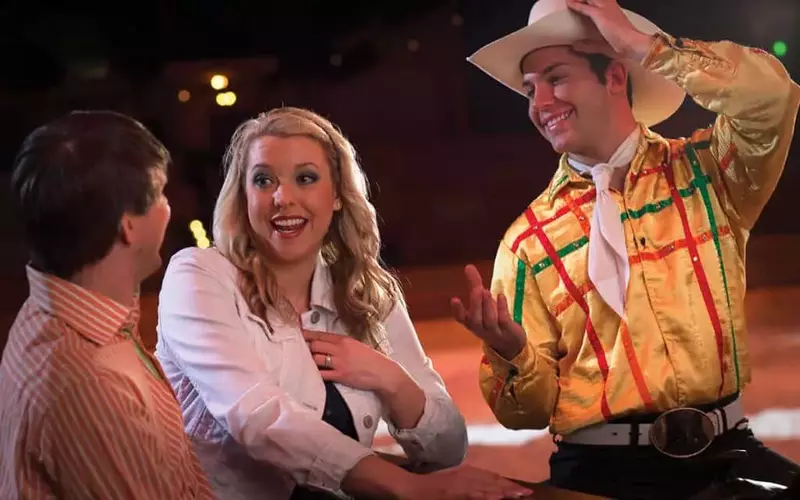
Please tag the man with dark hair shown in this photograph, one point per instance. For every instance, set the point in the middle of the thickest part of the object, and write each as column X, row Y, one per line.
column 86, row 411
column 599, row 64
column 616, row 310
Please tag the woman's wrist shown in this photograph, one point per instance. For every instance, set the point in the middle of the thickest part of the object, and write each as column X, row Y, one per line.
column 373, row 476
column 394, row 382
column 404, row 399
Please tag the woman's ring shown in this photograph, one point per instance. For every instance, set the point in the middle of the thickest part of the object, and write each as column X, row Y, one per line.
column 327, row 363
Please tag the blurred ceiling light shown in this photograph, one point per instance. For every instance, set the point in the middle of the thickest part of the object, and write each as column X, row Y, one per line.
column 226, row 98
column 199, row 233
column 184, row 95
column 413, row 45
column 456, row 20
column 336, row 60
column 219, row 82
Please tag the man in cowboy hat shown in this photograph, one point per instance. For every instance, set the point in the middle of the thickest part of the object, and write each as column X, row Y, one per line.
column 618, row 295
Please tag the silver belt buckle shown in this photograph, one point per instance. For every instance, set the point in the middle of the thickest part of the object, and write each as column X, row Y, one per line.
column 682, row 432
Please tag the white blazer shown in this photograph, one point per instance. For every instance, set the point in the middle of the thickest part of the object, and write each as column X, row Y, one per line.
column 252, row 401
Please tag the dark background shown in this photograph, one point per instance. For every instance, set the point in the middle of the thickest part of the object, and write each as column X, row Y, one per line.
column 450, row 153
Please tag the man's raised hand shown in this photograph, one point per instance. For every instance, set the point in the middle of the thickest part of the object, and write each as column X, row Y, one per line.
column 488, row 319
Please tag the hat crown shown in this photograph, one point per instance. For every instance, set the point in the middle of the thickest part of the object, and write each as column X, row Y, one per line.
column 542, row 8
column 552, row 22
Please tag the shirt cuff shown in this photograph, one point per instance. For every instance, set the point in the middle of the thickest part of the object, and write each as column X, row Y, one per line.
column 334, row 463
column 666, row 49
column 661, row 42
column 523, row 362
column 417, row 439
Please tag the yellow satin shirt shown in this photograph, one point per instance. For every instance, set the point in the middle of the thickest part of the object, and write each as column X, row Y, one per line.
column 687, row 208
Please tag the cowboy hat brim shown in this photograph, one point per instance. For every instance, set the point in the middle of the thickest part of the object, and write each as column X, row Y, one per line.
column 654, row 97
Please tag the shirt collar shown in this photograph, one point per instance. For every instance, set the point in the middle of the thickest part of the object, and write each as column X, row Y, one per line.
column 322, row 286
column 566, row 175
column 93, row 315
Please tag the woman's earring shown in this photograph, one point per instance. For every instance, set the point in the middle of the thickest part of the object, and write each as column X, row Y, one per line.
column 337, row 205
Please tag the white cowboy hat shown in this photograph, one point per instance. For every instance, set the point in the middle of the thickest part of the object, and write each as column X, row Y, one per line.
column 551, row 22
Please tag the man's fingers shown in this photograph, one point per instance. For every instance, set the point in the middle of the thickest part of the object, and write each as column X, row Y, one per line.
column 473, row 276
column 475, row 311
column 475, row 306
column 502, row 308
column 463, row 316
column 507, row 323
column 582, row 7
column 489, row 312
column 504, row 318
column 459, row 312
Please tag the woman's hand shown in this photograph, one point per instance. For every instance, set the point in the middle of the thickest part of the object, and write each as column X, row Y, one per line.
column 345, row 360
column 374, row 477
column 464, row 482
column 350, row 362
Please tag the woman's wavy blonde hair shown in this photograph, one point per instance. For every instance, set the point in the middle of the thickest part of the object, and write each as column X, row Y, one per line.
column 364, row 292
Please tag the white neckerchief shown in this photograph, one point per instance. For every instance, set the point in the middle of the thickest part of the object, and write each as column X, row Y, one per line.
column 608, row 255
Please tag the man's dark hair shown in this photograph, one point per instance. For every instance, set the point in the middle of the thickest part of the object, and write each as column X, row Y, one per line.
column 599, row 64
column 73, row 180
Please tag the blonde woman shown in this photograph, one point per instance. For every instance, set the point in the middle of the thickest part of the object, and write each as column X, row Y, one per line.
column 288, row 342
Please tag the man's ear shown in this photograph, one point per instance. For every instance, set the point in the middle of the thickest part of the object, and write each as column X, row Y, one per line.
column 126, row 229
column 617, row 77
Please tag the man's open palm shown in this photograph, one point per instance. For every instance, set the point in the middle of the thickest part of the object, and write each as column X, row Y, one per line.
column 488, row 319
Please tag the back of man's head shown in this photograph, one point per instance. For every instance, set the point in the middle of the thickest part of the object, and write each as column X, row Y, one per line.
column 73, row 180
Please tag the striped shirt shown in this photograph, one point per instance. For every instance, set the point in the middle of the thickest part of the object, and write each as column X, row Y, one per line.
column 86, row 411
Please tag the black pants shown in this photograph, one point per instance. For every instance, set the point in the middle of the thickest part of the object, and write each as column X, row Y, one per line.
column 641, row 472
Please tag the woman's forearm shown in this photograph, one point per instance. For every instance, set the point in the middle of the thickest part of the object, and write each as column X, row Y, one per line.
column 404, row 399
column 374, row 477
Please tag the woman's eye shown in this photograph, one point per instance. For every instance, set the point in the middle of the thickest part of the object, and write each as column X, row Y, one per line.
column 307, row 178
column 261, row 180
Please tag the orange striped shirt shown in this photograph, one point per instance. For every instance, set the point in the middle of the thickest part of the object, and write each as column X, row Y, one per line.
column 86, row 411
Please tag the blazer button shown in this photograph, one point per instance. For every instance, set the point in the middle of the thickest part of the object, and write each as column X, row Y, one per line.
column 368, row 421
column 315, row 317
